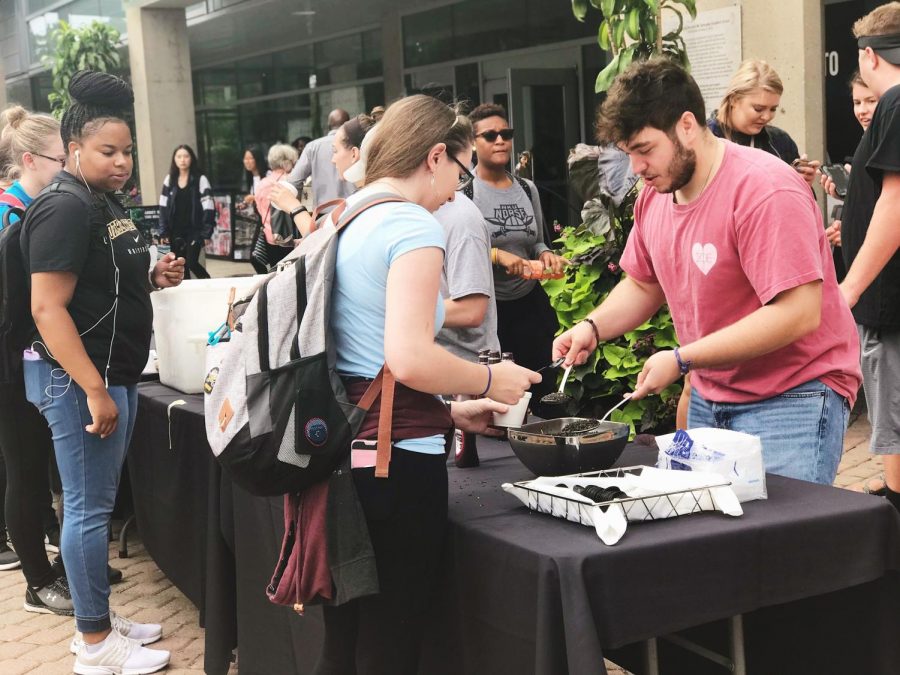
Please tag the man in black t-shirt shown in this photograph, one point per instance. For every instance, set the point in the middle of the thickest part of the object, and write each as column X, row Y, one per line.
column 870, row 235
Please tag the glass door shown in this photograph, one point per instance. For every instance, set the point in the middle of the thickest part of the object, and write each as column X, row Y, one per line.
column 543, row 110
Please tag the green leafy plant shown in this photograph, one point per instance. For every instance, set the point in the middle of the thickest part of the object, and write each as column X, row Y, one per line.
column 632, row 30
column 93, row 47
column 612, row 370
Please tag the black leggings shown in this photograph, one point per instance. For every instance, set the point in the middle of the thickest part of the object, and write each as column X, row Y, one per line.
column 526, row 328
column 190, row 251
column 27, row 447
column 407, row 517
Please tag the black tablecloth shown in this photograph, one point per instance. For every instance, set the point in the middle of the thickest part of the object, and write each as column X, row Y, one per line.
column 182, row 506
column 527, row 593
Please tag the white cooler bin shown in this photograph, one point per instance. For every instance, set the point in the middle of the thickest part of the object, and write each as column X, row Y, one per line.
column 182, row 319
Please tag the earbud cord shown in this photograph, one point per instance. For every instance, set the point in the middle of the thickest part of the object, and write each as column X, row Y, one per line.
column 114, row 309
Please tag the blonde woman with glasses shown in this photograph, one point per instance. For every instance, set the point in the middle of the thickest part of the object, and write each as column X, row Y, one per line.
column 33, row 153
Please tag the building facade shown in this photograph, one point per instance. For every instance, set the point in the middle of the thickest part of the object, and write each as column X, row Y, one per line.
column 225, row 74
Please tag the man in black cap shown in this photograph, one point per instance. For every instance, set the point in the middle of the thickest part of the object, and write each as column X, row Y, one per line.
column 870, row 236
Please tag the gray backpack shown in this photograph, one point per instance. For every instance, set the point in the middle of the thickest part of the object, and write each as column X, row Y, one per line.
column 278, row 418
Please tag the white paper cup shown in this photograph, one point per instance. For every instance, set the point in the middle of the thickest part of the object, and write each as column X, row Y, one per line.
column 515, row 415
column 289, row 185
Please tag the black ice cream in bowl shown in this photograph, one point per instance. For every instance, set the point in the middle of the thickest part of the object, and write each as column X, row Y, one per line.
column 562, row 444
column 559, row 403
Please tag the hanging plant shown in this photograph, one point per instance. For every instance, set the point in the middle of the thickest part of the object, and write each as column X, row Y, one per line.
column 632, row 30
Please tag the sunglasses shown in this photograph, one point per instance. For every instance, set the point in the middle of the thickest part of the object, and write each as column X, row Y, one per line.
column 491, row 136
column 465, row 179
column 60, row 160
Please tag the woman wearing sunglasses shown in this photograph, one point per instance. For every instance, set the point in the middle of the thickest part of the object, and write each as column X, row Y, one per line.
column 526, row 323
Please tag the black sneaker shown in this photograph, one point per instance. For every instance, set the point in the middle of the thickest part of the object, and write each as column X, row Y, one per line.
column 8, row 558
column 54, row 598
column 115, row 576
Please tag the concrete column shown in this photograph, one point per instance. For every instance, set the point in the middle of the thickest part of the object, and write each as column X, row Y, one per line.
column 3, row 101
column 163, row 92
column 790, row 36
column 392, row 55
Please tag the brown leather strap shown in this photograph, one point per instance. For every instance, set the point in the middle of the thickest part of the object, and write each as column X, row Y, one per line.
column 372, row 392
column 229, row 318
column 385, row 420
column 338, row 205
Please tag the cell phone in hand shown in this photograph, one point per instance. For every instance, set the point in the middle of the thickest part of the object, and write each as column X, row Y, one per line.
column 838, row 174
column 837, row 212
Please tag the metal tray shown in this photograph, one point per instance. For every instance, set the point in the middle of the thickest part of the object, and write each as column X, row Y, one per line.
column 680, row 502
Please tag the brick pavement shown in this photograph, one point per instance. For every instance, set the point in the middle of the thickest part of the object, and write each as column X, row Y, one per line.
column 37, row 644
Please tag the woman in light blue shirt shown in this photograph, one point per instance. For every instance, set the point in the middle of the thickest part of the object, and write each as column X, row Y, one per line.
column 386, row 311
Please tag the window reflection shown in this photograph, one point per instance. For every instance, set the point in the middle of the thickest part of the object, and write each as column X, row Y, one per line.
column 78, row 14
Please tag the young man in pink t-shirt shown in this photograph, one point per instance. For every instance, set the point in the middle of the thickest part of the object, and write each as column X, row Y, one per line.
column 731, row 238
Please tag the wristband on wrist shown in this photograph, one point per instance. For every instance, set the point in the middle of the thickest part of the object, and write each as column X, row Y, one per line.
column 296, row 212
column 490, row 377
column 683, row 366
column 495, row 252
column 593, row 328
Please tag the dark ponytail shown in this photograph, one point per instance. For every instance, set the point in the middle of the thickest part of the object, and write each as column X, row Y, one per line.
column 96, row 98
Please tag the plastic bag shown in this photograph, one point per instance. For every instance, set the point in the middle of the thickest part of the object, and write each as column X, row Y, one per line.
column 735, row 456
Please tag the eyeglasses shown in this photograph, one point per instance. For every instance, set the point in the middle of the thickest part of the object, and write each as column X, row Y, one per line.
column 60, row 160
column 491, row 136
column 466, row 179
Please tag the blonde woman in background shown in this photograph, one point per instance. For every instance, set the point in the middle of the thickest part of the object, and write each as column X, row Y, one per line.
column 33, row 154
column 745, row 114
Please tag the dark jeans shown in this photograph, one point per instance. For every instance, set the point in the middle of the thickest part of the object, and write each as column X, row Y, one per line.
column 190, row 251
column 407, row 517
column 27, row 447
column 526, row 327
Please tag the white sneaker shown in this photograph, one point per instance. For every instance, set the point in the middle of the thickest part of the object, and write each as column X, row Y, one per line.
column 120, row 656
column 142, row 633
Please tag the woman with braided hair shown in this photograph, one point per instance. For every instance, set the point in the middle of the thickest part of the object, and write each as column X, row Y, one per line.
column 91, row 278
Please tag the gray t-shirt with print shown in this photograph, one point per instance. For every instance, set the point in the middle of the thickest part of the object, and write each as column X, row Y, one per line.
column 516, row 224
column 467, row 271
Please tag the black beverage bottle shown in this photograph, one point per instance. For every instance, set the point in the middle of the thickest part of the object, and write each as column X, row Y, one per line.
column 464, row 444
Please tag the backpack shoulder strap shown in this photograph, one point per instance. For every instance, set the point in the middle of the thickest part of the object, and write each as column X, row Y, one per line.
column 72, row 189
column 345, row 217
column 324, row 207
column 11, row 200
column 524, row 185
column 9, row 213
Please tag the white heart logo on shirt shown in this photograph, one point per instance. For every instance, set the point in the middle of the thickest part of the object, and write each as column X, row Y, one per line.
column 704, row 256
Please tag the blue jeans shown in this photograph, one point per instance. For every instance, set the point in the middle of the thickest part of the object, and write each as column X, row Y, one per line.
column 802, row 430
column 90, row 469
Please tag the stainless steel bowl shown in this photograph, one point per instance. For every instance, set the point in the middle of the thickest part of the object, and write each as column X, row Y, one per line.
column 539, row 446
